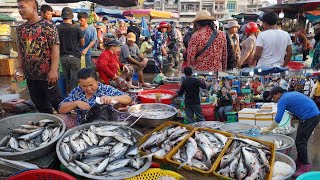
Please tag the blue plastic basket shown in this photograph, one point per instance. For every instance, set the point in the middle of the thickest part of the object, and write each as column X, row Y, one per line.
column 309, row 175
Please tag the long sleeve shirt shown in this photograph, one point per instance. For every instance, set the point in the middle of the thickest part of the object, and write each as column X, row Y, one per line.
column 191, row 86
column 108, row 65
column 298, row 104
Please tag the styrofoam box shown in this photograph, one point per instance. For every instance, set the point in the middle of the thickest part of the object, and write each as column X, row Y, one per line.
column 247, row 121
column 263, row 122
column 267, row 106
column 247, row 113
column 264, row 114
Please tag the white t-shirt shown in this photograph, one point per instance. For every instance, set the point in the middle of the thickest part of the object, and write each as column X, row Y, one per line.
column 274, row 43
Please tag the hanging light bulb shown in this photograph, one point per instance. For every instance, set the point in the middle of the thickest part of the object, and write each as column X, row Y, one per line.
column 242, row 20
column 281, row 15
column 251, row 73
column 210, row 73
column 259, row 70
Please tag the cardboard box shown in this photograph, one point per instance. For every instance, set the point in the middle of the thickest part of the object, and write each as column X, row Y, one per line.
column 7, row 67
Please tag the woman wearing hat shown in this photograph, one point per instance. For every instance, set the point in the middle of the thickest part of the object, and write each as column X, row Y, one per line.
column 214, row 56
column 159, row 48
column 234, row 47
column 111, row 70
column 248, row 46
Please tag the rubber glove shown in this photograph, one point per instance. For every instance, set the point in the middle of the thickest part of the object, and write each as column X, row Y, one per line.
column 270, row 128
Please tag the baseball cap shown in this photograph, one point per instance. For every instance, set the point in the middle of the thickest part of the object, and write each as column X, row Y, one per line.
column 112, row 43
column 274, row 91
column 67, row 13
column 131, row 37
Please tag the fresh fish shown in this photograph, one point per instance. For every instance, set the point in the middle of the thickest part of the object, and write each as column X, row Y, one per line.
column 79, row 169
column 198, row 164
column 20, row 131
column 93, row 160
column 87, row 139
column 5, row 140
column 182, row 137
column 232, row 147
column 66, row 139
column 26, row 126
column 75, row 135
column 23, row 144
column 102, row 166
column 32, row 145
column 162, row 137
column 173, row 129
column 117, row 164
column 13, row 143
column 136, row 163
column 264, row 160
column 105, row 141
column 152, row 140
column 118, row 151
column 249, row 160
column 202, row 138
column 223, row 139
column 65, row 151
column 211, row 137
column 82, row 144
column 93, row 137
column 121, row 171
column 106, row 128
column 32, row 135
column 97, row 151
column 252, row 143
column 123, row 139
column 233, row 166
column 133, row 151
column 46, row 134
column 226, row 159
column 83, row 166
column 225, row 171
column 55, row 132
column 191, row 150
column 177, row 133
column 241, row 170
column 74, row 145
column 46, row 121
column 207, row 150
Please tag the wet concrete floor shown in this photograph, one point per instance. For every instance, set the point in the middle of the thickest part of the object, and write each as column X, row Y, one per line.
column 9, row 89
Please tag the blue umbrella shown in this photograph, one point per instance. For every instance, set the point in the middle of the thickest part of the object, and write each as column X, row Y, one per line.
column 145, row 31
column 246, row 71
column 262, row 71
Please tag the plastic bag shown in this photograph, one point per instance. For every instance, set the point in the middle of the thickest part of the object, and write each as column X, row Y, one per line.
column 159, row 78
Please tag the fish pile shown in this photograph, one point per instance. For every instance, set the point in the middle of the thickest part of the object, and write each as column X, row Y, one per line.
column 245, row 159
column 208, row 124
column 161, row 142
column 280, row 144
column 281, row 130
column 161, row 113
column 30, row 136
column 102, row 151
column 201, row 150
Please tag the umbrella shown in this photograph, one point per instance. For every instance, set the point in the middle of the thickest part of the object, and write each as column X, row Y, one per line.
column 6, row 18
column 144, row 26
column 262, row 71
column 119, row 3
column 148, row 12
column 246, row 71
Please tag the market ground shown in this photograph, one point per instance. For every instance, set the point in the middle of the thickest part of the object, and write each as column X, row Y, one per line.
column 11, row 90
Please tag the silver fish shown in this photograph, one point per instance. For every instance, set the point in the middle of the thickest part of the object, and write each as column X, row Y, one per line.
column 233, row 166
column 123, row 139
column 46, row 134
column 46, row 121
column 31, row 145
column 223, row 139
column 152, row 140
column 26, row 126
column 226, row 159
column 32, row 135
column 252, row 143
column 241, row 170
column 102, row 166
column 225, row 171
column 182, row 137
column 83, row 166
column 173, row 129
column 198, row 164
column 93, row 160
column 97, row 151
column 177, row 133
column 79, row 169
column 118, row 151
column 162, row 137
column 13, row 143
column 136, row 163
column 23, row 144
column 207, row 151
column 249, row 160
column 191, row 150
column 93, row 137
column 82, row 144
column 117, row 164
column 121, row 171
column 87, row 139
column 106, row 128
column 105, row 141
column 75, row 135
column 74, row 145
column 133, row 151
column 55, row 132
column 5, row 140
column 66, row 139
column 65, row 151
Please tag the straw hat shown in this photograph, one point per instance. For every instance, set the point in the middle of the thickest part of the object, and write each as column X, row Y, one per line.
column 232, row 24
column 131, row 37
column 203, row 15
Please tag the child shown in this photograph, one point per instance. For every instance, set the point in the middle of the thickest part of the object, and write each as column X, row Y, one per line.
column 190, row 86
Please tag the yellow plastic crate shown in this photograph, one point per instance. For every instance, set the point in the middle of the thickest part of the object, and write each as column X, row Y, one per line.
column 155, row 173
column 272, row 159
column 159, row 128
column 175, row 150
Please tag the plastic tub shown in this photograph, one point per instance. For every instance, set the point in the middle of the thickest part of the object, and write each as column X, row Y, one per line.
column 286, row 139
column 237, row 127
column 309, row 175
column 145, row 99
column 231, row 117
column 172, row 87
column 295, row 66
column 286, row 159
column 208, row 111
column 43, row 174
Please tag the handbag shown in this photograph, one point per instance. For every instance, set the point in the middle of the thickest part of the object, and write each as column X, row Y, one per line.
column 213, row 36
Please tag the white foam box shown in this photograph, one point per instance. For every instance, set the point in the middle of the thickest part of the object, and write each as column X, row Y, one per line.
column 264, row 114
column 263, row 122
column 268, row 106
column 247, row 113
column 247, row 121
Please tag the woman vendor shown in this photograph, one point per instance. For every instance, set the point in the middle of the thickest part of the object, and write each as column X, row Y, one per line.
column 109, row 67
column 84, row 96
column 225, row 103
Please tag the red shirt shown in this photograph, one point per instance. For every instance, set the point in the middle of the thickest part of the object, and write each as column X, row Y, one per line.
column 108, row 65
column 254, row 86
column 214, row 58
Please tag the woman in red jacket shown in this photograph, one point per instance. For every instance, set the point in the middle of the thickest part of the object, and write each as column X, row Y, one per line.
column 111, row 70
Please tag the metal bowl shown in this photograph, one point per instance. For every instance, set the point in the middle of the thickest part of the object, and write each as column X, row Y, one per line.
column 286, row 159
column 237, row 127
column 286, row 139
column 136, row 134
column 171, row 80
column 15, row 121
column 148, row 121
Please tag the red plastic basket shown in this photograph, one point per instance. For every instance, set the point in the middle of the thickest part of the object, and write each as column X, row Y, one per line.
column 208, row 111
column 295, row 66
column 42, row 174
column 173, row 87
column 145, row 99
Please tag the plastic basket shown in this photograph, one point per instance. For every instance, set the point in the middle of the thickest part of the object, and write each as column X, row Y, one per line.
column 208, row 111
column 231, row 117
column 295, row 66
column 156, row 173
column 272, row 158
column 145, row 99
column 172, row 87
column 159, row 128
column 42, row 174
column 309, row 175
column 175, row 150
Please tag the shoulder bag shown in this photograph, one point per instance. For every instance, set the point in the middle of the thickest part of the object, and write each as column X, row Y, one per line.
column 213, row 36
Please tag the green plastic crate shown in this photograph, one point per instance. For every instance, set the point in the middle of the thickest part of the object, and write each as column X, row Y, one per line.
column 231, row 117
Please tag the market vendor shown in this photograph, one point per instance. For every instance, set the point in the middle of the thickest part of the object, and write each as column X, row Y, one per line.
column 84, row 96
column 307, row 113
column 225, row 103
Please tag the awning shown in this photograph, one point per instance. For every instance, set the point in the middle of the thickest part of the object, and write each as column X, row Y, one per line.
column 119, row 3
column 115, row 13
column 6, row 18
column 292, row 7
column 138, row 13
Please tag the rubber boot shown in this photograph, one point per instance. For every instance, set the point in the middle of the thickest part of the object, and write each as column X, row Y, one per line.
column 304, row 168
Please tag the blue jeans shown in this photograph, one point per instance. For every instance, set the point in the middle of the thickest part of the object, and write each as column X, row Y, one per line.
column 223, row 109
column 89, row 62
column 194, row 109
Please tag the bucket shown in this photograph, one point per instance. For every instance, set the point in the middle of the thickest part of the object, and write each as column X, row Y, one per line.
column 286, row 139
column 286, row 120
column 208, row 111
column 309, row 175
column 231, row 117
column 288, row 160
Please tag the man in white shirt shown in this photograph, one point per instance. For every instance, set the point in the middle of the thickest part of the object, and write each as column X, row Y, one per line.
column 308, row 84
column 273, row 46
column 283, row 83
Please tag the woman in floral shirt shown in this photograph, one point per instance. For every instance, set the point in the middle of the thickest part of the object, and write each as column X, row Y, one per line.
column 159, row 47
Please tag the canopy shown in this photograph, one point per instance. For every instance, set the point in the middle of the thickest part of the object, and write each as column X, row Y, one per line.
column 292, row 7
column 262, row 71
column 138, row 13
column 102, row 11
column 119, row 3
column 313, row 15
column 6, row 18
